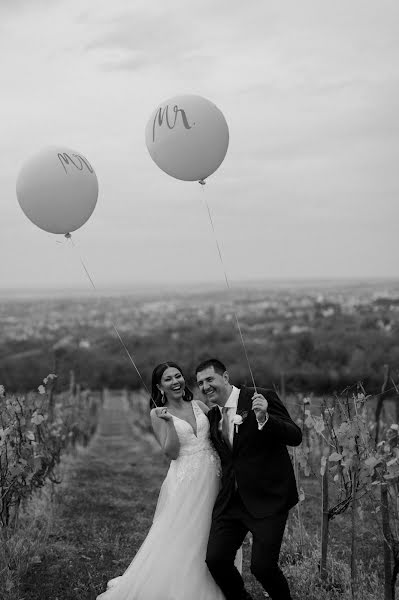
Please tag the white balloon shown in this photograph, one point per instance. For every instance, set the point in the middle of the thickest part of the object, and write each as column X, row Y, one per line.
column 187, row 137
column 57, row 189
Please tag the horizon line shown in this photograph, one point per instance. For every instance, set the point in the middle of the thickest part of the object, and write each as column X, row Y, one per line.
column 146, row 286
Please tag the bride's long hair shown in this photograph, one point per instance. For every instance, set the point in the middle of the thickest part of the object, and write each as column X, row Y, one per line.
column 156, row 379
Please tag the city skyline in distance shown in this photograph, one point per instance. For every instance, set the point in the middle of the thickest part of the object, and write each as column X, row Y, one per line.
column 380, row 284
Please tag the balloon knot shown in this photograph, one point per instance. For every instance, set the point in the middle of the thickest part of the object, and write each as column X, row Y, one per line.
column 68, row 236
column 202, row 182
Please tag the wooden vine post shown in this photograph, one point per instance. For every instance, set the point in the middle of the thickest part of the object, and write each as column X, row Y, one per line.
column 354, row 570
column 380, row 402
column 387, row 540
column 298, row 506
column 325, row 520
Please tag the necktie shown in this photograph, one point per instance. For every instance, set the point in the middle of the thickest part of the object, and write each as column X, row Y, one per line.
column 225, row 426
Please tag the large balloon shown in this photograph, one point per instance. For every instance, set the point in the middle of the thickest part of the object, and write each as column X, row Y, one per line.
column 57, row 189
column 187, row 137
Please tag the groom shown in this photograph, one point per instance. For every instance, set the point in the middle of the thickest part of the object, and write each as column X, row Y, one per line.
column 250, row 431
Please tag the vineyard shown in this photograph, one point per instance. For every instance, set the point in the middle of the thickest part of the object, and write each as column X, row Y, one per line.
column 36, row 431
column 342, row 540
column 354, row 459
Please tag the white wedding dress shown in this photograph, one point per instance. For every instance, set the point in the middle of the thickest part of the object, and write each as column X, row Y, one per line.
column 170, row 564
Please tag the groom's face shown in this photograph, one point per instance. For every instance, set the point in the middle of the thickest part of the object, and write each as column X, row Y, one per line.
column 213, row 385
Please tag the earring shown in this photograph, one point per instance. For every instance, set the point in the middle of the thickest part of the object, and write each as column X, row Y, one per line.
column 163, row 397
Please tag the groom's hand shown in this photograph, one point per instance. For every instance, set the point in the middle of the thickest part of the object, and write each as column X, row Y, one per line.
column 259, row 406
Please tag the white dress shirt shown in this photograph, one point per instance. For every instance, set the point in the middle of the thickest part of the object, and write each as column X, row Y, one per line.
column 232, row 404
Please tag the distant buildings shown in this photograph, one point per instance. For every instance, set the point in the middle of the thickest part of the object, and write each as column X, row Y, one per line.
column 261, row 313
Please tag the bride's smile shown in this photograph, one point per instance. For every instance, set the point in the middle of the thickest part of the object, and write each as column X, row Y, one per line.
column 172, row 384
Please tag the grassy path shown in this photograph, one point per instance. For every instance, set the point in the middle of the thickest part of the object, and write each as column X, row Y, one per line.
column 103, row 513
column 105, row 508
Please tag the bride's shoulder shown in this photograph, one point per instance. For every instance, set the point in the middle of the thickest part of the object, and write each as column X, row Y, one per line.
column 203, row 407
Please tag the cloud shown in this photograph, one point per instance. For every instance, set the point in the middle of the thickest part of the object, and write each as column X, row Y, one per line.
column 309, row 91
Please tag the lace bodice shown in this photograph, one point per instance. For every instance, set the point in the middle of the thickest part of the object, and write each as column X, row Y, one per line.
column 194, row 448
column 189, row 441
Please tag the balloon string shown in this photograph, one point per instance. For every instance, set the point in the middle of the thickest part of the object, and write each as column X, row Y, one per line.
column 202, row 182
column 68, row 236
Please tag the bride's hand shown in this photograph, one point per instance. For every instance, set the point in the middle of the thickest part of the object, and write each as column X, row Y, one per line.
column 162, row 413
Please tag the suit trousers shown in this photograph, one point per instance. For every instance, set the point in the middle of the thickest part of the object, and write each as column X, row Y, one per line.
column 227, row 534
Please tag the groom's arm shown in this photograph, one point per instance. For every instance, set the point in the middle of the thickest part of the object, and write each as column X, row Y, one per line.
column 279, row 425
column 205, row 409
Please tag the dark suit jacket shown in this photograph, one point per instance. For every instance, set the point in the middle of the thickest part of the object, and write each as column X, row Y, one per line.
column 259, row 460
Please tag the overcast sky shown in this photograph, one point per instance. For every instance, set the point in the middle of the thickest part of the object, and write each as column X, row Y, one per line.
column 309, row 186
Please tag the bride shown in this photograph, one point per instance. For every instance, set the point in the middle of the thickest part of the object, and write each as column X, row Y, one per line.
column 170, row 564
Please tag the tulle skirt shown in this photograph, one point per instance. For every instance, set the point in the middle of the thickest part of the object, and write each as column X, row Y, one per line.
column 170, row 564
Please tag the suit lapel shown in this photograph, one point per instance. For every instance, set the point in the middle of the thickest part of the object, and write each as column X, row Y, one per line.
column 214, row 416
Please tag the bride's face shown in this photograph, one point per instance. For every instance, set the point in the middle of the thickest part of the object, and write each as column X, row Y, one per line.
column 172, row 383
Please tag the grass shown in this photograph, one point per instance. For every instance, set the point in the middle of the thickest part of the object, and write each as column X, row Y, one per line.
column 102, row 515
column 22, row 546
column 104, row 508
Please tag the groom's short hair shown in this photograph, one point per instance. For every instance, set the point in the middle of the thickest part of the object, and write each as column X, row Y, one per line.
column 211, row 362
